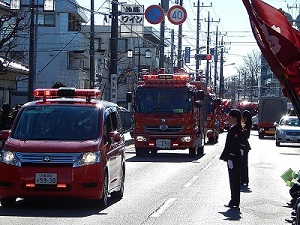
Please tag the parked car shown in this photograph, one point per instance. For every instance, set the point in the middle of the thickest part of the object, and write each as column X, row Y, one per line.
column 288, row 130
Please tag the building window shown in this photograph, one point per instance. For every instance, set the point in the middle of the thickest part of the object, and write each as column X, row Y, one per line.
column 74, row 23
column 47, row 20
column 75, row 61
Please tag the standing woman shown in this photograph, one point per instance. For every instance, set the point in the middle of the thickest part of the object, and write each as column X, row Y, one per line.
column 247, row 125
column 232, row 155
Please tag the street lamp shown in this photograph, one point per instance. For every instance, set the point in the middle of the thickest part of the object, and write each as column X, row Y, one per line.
column 49, row 6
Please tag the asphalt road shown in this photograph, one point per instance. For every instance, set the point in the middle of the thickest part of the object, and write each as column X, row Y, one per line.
column 172, row 188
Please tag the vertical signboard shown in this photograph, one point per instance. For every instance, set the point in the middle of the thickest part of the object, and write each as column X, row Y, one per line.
column 187, row 54
column 132, row 20
column 114, row 88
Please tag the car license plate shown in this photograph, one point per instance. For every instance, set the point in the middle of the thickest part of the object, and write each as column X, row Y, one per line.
column 163, row 143
column 46, row 178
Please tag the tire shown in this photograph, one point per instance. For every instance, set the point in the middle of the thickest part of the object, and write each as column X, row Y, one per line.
column 260, row 135
column 193, row 152
column 104, row 198
column 153, row 151
column 119, row 194
column 8, row 202
column 277, row 143
column 141, row 151
column 201, row 150
column 211, row 140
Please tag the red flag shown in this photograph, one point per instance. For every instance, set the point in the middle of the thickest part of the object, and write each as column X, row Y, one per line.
column 278, row 41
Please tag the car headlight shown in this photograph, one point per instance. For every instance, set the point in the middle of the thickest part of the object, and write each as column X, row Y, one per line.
column 10, row 158
column 279, row 131
column 186, row 139
column 88, row 158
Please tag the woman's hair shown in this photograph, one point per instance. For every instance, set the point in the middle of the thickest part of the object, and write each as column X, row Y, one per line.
column 247, row 115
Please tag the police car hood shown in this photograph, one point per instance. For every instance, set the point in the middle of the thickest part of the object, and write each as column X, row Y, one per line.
column 51, row 145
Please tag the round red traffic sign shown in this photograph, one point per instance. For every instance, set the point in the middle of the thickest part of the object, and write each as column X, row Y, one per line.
column 177, row 14
column 154, row 14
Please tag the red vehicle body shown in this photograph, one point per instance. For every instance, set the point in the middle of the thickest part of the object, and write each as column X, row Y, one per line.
column 50, row 151
column 169, row 114
column 252, row 107
column 226, row 107
column 214, row 118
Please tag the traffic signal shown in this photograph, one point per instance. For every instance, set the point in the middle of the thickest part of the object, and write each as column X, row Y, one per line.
column 203, row 56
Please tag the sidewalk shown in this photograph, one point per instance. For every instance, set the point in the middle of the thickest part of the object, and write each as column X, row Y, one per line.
column 128, row 139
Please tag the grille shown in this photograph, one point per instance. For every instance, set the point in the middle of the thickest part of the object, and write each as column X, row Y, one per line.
column 293, row 133
column 46, row 158
column 170, row 129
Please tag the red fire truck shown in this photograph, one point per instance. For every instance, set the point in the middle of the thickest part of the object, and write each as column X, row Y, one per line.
column 226, row 107
column 169, row 114
column 252, row 107
column 214, row 118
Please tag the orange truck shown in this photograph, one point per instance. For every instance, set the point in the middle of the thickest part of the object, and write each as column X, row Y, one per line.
column 169, row 114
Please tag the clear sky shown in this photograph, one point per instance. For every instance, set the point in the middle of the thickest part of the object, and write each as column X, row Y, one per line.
column 234, row 24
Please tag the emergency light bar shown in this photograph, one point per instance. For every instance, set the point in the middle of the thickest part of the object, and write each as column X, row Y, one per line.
column 67, row 92
column 166, row 77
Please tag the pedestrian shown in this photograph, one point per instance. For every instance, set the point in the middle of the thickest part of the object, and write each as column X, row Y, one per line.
column 232, row 155
column 6, row 120
column 246, row 125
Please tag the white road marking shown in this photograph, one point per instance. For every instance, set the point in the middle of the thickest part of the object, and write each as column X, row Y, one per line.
column 207, row 166
column 163, row 208
column 191, row 181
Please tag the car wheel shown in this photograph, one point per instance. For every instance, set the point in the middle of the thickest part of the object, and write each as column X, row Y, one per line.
column 119, row 194
column 277, row 143
column 104, row 198
column 8, row 202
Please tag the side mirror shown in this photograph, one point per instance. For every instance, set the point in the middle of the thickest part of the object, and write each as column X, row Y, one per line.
column 116, row 136
column 218, row 101
column 200, row 95
column 198, row 104
column 128, row 97
column 4, row 135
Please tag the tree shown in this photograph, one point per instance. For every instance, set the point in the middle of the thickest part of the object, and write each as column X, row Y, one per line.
column 249, row 74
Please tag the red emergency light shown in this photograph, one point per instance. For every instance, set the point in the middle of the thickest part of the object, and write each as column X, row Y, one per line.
column 167, row 77
column 66, row 92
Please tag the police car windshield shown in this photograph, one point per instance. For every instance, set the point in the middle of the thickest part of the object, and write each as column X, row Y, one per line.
column 57, row 122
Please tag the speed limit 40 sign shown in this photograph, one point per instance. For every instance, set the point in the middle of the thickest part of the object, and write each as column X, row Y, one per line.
column 177, row 14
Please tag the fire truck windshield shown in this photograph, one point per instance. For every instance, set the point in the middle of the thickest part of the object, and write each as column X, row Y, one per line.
column 57, row 122
column 163, row 100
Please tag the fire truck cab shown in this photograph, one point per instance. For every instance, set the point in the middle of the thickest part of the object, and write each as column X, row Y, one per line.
column 68, row 144
column 168, row 114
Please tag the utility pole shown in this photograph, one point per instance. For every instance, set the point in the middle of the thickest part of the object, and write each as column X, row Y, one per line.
column 179, row 59
column 92, row 47
column 198, row 33
column 165, row 6
column 198, row 36
column 216, row 63
column 113, row 42
column 221, row 70
column 172, row 51
column 208, row 79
